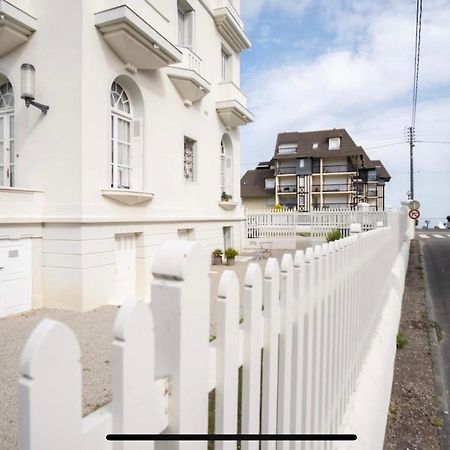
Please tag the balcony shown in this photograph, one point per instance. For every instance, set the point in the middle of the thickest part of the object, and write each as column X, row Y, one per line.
column 134, row 40
column 16, row 27
column 187, row 79
column 287, row 189
column 231, row 105
column 286, row 170
column 332, row 188
column 230, row 26
column 338, row 168
column 333, row 206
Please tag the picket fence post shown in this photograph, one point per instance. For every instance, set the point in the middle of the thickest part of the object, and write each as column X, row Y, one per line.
column 136, row 407
column 251, row 368
column 227, row 342
column 270, row 360
column 180, row 304
column 285, row 360
column 50, row 389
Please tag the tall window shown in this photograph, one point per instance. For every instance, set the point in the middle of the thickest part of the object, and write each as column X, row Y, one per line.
column 225, row 74
column 7, row 153
column 185, row 24
column 121, row 120
column 226, row 167
column 189, row 159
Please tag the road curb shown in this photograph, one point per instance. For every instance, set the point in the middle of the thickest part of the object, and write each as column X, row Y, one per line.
column 438, row 363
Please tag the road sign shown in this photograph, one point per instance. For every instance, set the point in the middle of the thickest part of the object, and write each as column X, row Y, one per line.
column 414, row 214
column 414, row 204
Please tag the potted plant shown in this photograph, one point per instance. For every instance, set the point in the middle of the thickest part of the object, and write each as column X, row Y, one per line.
column 217, row 257
column 230, row 254
column 226, row 197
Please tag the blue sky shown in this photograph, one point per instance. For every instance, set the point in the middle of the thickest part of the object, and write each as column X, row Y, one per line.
column 349, row 63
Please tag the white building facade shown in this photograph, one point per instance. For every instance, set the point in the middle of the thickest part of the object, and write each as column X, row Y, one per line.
column 140, row 141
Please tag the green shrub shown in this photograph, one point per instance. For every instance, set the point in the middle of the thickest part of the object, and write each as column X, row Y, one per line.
column 217, row 252
column 226, row 197
column 401, row 341
column 231, row 253
column 333, row 235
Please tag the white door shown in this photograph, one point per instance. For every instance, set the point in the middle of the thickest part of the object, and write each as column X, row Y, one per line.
column 125, row 267
column 227, row 237
column 15, row 276
column 7, row 155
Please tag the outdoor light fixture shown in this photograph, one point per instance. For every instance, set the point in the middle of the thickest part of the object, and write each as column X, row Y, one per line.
column 28, row 74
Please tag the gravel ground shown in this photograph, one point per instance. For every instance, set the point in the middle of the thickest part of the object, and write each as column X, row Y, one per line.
column 94, row 332
column 413, row 422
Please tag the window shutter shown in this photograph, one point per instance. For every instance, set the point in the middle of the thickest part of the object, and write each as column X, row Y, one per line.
column 137, row 160
column 229, row 175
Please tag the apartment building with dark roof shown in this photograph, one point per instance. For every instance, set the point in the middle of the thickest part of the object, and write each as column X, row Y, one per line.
column 317, row 170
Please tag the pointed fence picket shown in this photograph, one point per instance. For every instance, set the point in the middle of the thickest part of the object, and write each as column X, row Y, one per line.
column 305, row 334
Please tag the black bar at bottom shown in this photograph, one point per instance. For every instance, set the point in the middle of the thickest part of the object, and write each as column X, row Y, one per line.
column 231, row 437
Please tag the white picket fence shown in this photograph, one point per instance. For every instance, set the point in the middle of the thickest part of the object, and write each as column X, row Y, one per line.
column 262, row 224
column 314, row 317
column 268, row 224
column 322, row 222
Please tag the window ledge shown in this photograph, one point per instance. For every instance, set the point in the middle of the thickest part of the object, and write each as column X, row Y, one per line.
column 127, row 197
column 228, row 206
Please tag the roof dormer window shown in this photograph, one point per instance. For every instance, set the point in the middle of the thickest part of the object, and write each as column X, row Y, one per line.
column 334, row 143
column 285, row 149
column 315, row 146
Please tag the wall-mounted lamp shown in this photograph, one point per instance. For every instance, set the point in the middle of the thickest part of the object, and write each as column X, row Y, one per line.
column 28, row 74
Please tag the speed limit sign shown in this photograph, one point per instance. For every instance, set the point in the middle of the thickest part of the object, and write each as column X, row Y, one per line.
column 414, row 214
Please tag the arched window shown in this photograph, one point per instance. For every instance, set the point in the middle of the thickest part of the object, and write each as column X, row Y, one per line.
column 7, row 152
column 226, row 166
column 121, row 120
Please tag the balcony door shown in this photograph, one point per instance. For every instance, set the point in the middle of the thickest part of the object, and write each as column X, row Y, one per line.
column 6, row 135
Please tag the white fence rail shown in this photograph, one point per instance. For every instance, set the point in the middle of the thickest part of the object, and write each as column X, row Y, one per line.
column 314, row 317
column 287, row 223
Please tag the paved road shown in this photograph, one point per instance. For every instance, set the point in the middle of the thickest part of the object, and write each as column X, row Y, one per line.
column 435, row 247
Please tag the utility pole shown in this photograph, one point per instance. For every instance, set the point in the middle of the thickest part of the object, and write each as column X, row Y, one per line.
column 412, row 139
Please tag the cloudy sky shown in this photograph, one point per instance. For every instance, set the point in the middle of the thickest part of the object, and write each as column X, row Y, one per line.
column 318, row 64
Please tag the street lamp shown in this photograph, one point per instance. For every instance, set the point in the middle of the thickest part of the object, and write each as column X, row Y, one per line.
column 28, row 73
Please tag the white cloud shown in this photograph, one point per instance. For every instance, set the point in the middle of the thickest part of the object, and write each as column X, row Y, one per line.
column 363, row 83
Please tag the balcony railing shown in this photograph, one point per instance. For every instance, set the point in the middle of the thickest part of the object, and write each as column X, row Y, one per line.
column 189, row 60
column 333, row 188
column 332, row 206
column 287, row 189
column 288, row 170
column 334, row 168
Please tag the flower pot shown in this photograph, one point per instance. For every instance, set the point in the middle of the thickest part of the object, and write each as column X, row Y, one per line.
column 230, row 261
column 217, row 260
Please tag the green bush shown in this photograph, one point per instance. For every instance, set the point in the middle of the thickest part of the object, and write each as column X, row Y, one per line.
column 231, row 253
column 217, row 252
column 226, row 197
column 333, row 235
column 401, row 341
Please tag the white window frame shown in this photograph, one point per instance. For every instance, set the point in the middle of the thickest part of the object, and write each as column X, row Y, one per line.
column 269, row 183
column 7, row 141
column 186, row 22
column 190, row 177
column 134, row 166
column 334, row 143
column 225, row 65
column 226, row 169
column 286, row 149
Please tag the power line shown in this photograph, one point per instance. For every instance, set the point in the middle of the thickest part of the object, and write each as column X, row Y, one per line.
column 411, row 130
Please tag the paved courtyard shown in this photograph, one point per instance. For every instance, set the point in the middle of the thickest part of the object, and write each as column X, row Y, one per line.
column 94, row 332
